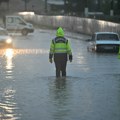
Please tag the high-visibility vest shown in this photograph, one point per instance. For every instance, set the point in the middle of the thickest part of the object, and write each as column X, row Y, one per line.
column 60, row 45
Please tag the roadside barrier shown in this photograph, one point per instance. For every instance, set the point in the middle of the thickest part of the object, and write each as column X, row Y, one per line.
column 76, row 24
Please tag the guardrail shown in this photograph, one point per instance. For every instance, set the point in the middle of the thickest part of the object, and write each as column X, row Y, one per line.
column 76, row 24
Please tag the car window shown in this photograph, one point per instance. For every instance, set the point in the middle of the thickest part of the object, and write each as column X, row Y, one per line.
column 107, row 37
column 19, row 21
column 9, row 20
column 3, row 32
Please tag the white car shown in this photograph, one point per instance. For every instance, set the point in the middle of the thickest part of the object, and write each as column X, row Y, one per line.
column 17, row 24
column 5, row 39
column 104, row 42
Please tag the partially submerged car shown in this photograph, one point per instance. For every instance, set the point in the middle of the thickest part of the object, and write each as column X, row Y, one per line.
column 5, row 39
column 104, row 42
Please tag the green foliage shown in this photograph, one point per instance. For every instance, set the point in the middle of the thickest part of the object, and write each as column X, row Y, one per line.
column 106, row 7
column 75, row 6
column 26, row 1
column 118, row 7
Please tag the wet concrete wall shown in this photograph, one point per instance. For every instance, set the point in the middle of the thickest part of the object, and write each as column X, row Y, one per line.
column 76, row 24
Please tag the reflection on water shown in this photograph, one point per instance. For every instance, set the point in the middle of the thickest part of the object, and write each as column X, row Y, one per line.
column 11, row 53
column 9, row 65
column 60, row 83
column 7, row 104
column 30, row 51
column 60, row 99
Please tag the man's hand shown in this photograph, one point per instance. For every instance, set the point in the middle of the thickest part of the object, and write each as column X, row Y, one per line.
column 70, row 58
column 50, row 60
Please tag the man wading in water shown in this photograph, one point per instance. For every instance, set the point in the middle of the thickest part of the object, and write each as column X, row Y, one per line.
column 60, row 50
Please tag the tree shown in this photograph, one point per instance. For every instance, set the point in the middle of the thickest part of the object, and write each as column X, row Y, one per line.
column 26, row 1
column 4, row 1
column 118, row 7
column 7, row 1
column 46, row 9
column 74, row 6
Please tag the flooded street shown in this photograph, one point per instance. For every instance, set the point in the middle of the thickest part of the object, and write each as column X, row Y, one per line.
column 29, row 89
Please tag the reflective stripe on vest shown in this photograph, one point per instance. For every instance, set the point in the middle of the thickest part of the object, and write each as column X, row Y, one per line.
column 60, row 45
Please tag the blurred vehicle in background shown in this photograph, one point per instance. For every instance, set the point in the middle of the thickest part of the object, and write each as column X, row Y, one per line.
column 5, row 39
column 17, row 24
column 104, row 42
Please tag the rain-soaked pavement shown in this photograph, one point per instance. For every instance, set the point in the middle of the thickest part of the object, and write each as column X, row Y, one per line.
column 30, row 91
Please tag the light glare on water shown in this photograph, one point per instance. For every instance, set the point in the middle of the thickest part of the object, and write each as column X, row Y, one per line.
column 9, row 55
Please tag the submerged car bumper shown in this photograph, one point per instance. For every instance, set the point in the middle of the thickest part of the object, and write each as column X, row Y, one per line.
column 107, row 48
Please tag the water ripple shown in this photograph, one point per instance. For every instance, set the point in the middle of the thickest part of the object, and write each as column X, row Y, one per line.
column 8, row 106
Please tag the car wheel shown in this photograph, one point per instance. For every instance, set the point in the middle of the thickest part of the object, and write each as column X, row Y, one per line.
column 24, row 32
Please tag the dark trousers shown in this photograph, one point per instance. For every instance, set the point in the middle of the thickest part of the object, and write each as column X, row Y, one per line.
column 60, row 60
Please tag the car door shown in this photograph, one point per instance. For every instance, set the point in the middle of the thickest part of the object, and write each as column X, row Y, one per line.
column 20, row 23
column 10, row 23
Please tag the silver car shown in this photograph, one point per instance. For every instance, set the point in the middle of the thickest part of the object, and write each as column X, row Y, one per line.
column 5, row 39
column 104, row 42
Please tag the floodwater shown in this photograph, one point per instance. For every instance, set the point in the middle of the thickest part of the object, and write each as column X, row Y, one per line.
column 29, row 89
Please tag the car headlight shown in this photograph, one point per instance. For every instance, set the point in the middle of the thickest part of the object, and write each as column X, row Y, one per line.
column 95, row 47
column 8, row 41
column 30, row 25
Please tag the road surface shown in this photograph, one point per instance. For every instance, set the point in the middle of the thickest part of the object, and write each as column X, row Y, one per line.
column 29, row 89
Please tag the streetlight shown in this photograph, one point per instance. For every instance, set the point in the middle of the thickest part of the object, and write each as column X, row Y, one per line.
column 111, row 8
column 86, row 8
column 46, row 9
column 26, row 1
